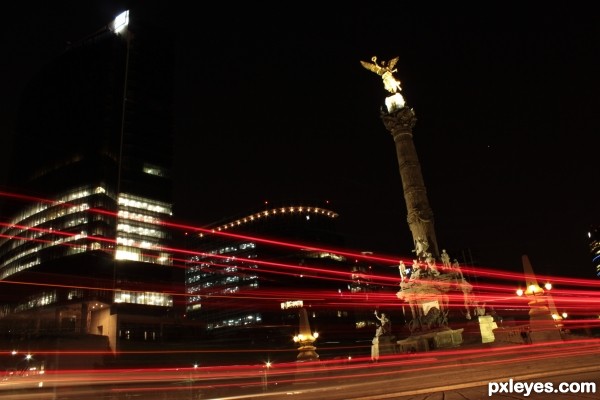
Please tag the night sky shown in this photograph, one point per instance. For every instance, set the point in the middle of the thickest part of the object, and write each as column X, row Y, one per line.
column 273, row 105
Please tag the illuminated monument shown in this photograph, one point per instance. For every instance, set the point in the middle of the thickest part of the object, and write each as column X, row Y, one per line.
column 425, row 286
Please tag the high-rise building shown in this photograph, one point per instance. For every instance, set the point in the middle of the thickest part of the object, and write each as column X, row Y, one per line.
column 82, row 245
column 594, row 238
column 250, row 276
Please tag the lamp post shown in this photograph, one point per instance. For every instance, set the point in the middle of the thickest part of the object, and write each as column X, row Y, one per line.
column 542, row 301
column 306, row 351
column 306, row 338
column 266, row 377
column 193, row 378
column 537, row 302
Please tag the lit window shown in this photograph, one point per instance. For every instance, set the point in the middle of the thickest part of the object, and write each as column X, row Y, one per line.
column 153, row 170
column 127, row 255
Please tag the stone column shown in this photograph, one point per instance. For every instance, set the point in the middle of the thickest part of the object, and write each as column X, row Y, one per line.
column 400, row 123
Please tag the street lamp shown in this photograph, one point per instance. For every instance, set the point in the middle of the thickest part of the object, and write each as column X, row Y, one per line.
column 266, row 378
column 306, row 349
column 193, row 378
column 537, row 302
column 306, row 338
column 534, row 289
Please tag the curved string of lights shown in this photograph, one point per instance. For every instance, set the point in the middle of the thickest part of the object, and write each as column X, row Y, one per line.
column 275, row 212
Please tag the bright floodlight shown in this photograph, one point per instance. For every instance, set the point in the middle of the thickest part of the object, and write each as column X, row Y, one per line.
column 519, row 292
column 548, row 286
column 121, row 22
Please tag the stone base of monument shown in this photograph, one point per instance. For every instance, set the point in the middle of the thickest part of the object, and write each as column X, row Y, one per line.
column 542, row 328
column 431, row 340
column 387, row 345
column 511, row 335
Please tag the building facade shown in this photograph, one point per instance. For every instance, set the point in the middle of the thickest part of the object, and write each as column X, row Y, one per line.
column 594, row 240
column 250, row 276
column 83, row 243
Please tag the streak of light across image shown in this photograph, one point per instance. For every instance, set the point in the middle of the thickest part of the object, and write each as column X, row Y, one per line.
column 222, row 370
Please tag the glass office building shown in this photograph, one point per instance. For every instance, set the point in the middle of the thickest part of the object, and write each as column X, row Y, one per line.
column 83, row 242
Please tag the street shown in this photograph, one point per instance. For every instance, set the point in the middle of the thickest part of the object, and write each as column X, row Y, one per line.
column 459, row 373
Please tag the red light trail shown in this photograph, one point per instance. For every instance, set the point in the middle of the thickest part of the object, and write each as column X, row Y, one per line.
column 247, row 380
column 467, row 270
column 577, row 297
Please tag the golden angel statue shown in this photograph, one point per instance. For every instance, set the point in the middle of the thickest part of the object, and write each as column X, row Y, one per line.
column 386, row 71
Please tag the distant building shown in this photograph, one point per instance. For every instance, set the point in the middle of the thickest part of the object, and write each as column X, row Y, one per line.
column 250, row 277
column 93, row 161
column 594, row 238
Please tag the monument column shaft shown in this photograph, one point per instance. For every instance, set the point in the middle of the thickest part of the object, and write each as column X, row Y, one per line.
column 419, row 213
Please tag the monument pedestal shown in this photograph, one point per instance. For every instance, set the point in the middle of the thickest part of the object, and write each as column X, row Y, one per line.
column 387, row 346
column 431, row 341
column 383, row 345
column 542, row 328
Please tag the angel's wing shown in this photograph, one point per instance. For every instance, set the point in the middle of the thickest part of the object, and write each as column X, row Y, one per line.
column 392, row 63
column 372, row 67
